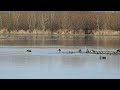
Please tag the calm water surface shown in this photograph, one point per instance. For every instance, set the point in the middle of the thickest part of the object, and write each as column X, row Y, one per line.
column 46, row 62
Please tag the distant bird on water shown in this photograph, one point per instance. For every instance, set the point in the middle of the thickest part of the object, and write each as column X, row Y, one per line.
column 59, row 50
column 29, row 51
column 102, row 57
column 87, row 51
column 118, row 50
column 80, row 50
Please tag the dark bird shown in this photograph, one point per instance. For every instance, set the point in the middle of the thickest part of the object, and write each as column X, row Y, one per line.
column 29, row 51
column 59, row 50
column 80, row 50
column 102, row 57
column 87, row 51
column 118, row 50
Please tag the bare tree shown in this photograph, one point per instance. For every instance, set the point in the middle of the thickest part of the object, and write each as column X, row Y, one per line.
column 43, row 21
column 0, row 22
column 15, row 16
column 60, row 20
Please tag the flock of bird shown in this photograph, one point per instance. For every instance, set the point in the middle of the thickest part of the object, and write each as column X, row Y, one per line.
column 80, row 51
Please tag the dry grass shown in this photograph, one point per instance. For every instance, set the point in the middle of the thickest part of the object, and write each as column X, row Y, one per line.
column 4, row 31
column 58, row 32
column 69, row 32
column 106, row 33
column 23, row 32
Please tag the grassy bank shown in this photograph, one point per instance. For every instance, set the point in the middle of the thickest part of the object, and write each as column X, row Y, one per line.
column 59, row 32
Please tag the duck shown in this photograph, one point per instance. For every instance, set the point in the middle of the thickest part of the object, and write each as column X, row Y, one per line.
column 87, row 51
column 80, row 50
column 28, row 50
column 92, row 51
column 59, row 50
column 118, row 50
column 102, row 57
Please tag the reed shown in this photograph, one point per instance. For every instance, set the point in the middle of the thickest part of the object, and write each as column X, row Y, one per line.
column 59, row 32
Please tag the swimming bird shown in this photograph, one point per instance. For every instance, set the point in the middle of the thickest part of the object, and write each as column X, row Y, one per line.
column 102, row 57
column 87, row 51
column 118, row 50
column 28, row 50
column 92, row 51
column 59, row 50
column 80, row 50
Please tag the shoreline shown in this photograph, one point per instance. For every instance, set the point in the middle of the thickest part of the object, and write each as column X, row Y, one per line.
column 5, row 32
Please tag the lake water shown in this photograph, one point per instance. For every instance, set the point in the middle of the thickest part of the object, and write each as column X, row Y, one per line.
column 46, row 62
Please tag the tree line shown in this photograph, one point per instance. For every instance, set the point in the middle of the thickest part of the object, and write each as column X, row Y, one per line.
column 53, row 21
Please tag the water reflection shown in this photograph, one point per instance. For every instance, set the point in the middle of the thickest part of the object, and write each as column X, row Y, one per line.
column 88, row 40
column 44, row 40
column 72, row 62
